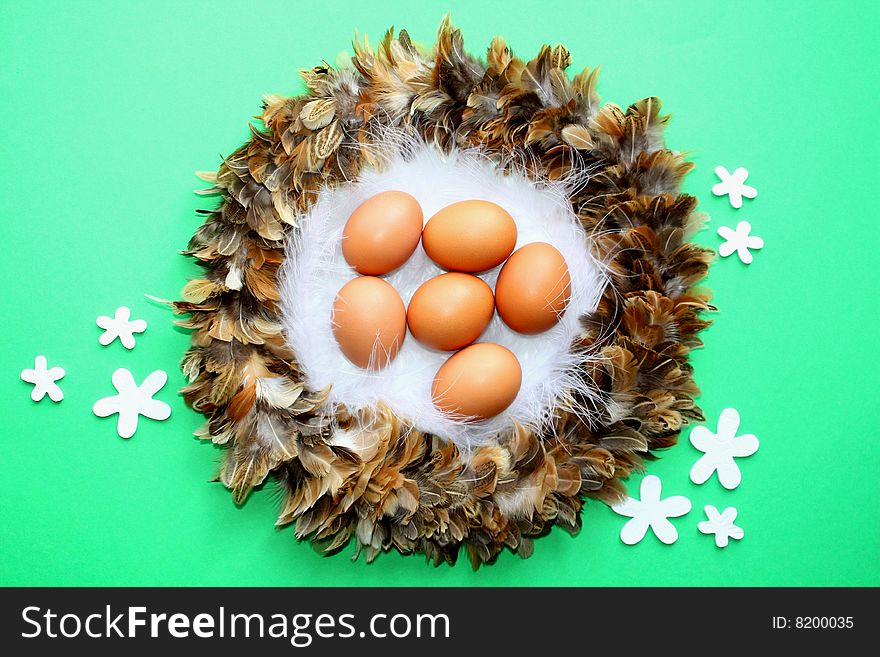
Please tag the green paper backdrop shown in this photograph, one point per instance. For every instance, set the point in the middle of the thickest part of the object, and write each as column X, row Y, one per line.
column 109, row 107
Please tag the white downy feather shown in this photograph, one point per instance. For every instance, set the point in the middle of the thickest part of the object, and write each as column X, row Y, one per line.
column 315, row 270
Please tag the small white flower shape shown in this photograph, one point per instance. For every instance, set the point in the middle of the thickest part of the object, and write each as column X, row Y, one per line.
column 721, row 524
column 651, row 512
column 720, row 449
column 733, row 184
column 120, row 326
column 44, row 380
column 739, row 241
column 133, row 400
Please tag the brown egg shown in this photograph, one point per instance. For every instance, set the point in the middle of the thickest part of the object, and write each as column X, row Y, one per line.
column 450, row 311
column 369, row 322
column 382, row 233
column 470, row 236
column 478, row 382
column 533, row 288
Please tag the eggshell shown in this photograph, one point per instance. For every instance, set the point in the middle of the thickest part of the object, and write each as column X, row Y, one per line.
column 450, row 311
column 369, row 322
column 382, row 233
column 470, row 236
column 478, row 382
column 533, row 288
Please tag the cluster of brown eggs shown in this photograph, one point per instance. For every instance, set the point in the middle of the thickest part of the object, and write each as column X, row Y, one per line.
column 450, row 311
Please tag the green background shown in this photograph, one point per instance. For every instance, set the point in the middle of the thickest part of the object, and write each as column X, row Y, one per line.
column 109, row 107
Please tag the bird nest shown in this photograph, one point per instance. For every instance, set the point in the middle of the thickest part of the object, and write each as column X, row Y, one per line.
column 366, row 471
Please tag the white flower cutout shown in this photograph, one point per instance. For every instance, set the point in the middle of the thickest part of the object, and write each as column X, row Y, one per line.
column 739, row 241
column 133, row 400
column 733, row 184
column 120, row 326
column 44, row 380
column 651, row 512
column 720, row 449
column 721, row 524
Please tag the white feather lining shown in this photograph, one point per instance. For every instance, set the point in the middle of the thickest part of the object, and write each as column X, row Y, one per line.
column 315, row 270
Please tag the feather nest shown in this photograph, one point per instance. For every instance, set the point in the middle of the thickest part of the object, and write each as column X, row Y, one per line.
column 368, row 476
